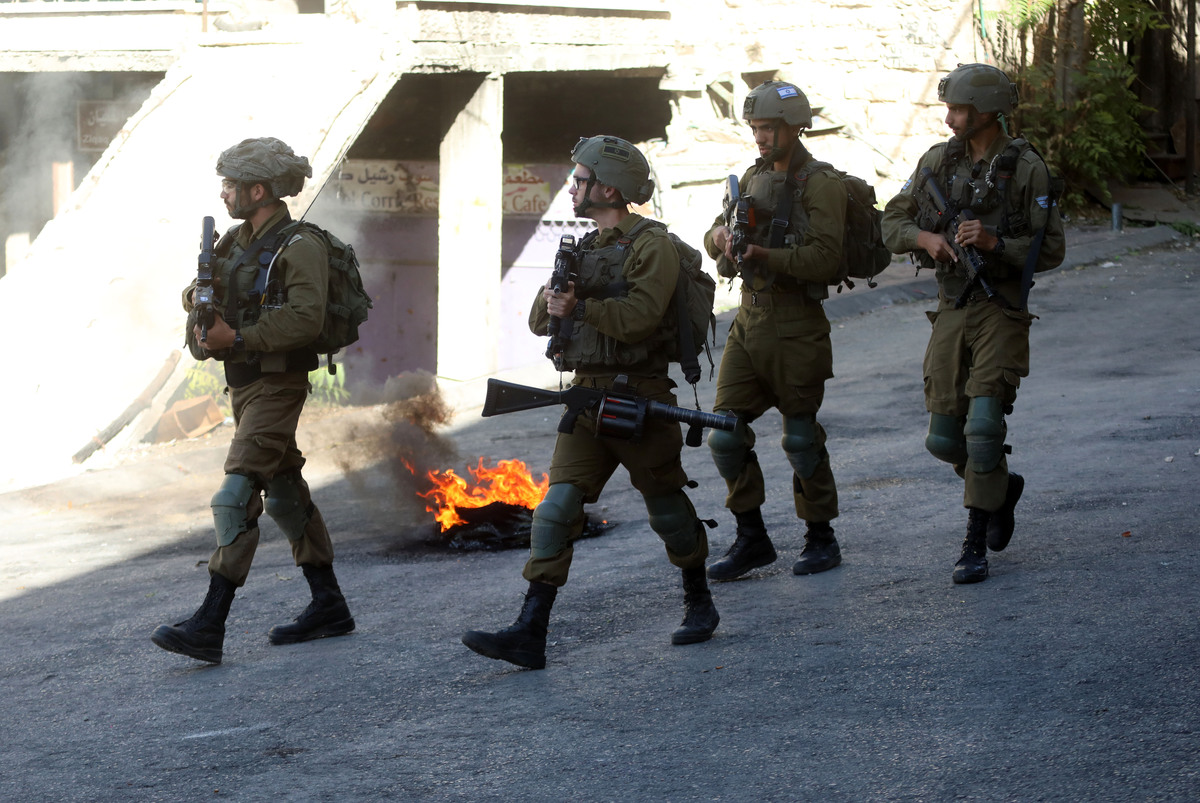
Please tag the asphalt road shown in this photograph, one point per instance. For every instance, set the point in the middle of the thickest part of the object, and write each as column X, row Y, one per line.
column 1070, row 674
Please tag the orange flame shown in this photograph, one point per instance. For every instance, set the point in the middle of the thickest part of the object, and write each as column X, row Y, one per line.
column 509, row 482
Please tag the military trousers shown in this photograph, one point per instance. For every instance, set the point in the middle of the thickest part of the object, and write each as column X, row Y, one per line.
column 779, row 355
column 978, row 351
column 587, row 461
column 266, row 413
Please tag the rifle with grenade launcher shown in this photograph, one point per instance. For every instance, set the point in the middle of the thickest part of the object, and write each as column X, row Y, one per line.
column 947, row 220
column 619, row 413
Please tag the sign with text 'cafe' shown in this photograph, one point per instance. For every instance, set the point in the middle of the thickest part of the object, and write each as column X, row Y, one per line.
column 411, row 188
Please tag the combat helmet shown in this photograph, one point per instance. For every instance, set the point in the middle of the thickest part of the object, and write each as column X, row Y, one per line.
column 267, row 161
column 780, row 100
column 617, row 163
column 983, row 86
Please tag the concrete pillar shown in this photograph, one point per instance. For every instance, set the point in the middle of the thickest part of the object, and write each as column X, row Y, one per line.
column 470, row 191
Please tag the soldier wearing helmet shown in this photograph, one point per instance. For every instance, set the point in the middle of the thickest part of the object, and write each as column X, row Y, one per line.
column 778, row 353
column 270, row 279
column 626, row 273
column 999, row 194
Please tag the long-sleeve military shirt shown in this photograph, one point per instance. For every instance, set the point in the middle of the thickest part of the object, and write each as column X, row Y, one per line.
column 303, row 268
column 1028, row 192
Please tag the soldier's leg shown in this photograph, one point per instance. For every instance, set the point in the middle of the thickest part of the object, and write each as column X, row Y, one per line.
column 739, row 391
column 236, row 506
column 290, row 505
column 557, row 521
column 1000, row 359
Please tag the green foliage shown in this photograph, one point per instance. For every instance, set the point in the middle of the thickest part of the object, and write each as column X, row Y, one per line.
column 207, row 378
column 328, row 390
column 1078, row 104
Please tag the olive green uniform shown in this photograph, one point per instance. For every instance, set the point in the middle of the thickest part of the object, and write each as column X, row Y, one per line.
column 619, row 336
column 268, row 385
column 982, row 349
column 778, row 353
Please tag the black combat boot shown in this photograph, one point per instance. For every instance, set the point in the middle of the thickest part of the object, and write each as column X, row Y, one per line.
column 972, row 566
column 1003, row 521
column 326, row 615
column 821, row 551
column 751, row 549
column 700, row 617
column 524, row 642
column 203, row 635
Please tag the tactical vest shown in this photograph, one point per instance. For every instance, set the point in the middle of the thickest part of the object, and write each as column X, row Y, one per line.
column 987, row 193
column 242, row 275
column 600, row 275
column 766, row 190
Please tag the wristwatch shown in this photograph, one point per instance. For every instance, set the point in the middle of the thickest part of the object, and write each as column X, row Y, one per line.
column 577, row 313
column 238, row 343
column 999, row 249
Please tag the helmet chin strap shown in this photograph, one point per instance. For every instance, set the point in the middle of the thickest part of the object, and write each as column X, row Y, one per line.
column 587, row 202
column 973, row 126
column 777, row 152
column 244, row 212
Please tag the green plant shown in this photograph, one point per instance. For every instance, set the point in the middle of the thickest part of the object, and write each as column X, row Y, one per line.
column 329, row 390
column 1075, row 74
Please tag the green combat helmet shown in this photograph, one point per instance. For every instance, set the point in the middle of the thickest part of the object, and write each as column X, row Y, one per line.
column 778, row 100
column 983, row 86
column 617, row 163
column 267, row 161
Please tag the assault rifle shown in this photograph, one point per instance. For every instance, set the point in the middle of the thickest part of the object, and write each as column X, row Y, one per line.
column 619, row 413
column 204, row 309
column 739, row 218
column 564, row 273
column 947, row 220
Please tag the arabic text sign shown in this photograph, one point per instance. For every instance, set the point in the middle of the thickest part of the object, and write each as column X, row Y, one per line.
column 411, row 188
column 99, row 121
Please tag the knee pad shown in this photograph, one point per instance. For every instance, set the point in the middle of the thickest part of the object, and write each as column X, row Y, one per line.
column 554, row 520
column 799, row 443
column 229, row 507
column 287, row 507
column 730, row 450
column 985, row 431
column 945, row 439
column 673, row 519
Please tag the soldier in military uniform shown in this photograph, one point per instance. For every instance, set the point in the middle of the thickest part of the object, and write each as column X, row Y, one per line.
column 1009, row 225
column 778, row 353
column 270, row 281
column 615, row 332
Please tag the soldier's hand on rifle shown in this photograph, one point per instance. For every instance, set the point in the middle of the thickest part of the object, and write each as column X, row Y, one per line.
column 973, row 232
column 560, row 305
column 220, row 335
column 721, row 240
column 937, row 246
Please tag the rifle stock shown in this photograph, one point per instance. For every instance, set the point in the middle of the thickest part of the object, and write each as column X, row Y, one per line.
column 619, row 414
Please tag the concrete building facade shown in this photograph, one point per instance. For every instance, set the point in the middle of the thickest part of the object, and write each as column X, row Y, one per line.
column 439, row 132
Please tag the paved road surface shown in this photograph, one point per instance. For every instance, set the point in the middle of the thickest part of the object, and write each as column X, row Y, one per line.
column 1071, row 674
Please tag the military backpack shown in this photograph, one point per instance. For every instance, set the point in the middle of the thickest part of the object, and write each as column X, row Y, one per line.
column 864, row 256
